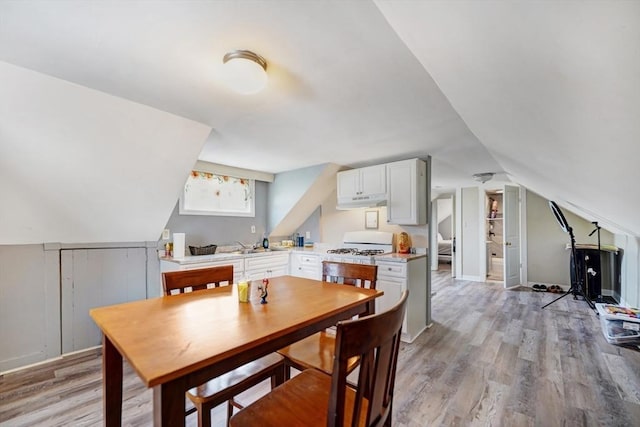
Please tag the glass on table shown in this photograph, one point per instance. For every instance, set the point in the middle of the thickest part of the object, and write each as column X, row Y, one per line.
column 244, row 290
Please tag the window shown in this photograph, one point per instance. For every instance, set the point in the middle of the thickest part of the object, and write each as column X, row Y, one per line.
column 206, row 193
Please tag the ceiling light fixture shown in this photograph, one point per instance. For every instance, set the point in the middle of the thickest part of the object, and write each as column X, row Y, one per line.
column 483, row 177
column 246, row 72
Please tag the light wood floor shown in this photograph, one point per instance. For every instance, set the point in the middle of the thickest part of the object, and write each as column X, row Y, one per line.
column 491, row 358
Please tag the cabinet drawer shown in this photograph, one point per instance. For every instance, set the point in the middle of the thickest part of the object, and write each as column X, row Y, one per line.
column 266, row 261
column 308, row 260
column 398, row 270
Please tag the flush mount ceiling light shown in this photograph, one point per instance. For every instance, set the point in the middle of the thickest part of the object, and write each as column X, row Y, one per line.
column 246, row 72
column 483, row 177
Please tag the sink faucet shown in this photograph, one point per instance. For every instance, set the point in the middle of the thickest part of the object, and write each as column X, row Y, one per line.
column 243, row 245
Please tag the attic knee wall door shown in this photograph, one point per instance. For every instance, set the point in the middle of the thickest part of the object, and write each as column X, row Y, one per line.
column 94, row 278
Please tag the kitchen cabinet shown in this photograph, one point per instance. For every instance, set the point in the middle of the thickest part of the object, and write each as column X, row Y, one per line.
column 396, row 276
column 406, row 192
column 362, row 185
column 275, row 264
column 306, row 265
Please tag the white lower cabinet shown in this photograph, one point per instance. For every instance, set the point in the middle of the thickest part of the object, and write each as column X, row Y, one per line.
column 393, row 278
column 306, row 265
column 256, row 268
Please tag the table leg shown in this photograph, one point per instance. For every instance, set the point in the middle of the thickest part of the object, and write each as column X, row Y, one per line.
column 112, row 383
column 370, row 308
column 169, row 404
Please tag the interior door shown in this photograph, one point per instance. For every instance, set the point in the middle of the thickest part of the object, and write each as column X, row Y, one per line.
column 511, row 233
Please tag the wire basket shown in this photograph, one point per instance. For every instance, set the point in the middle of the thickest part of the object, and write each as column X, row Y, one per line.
column 203, row 250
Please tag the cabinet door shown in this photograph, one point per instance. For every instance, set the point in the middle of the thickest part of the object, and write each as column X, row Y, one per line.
column 280, row 270
column 307, row 266
column 406, row 185
column 373, row 179
column 94, row 278
column 392, row 292
column 348, row 184
column 257, row 267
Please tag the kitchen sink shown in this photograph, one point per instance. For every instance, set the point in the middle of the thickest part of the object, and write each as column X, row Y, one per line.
column 249, row 251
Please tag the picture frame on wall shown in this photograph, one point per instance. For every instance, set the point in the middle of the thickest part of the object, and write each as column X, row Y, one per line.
column 371, row 219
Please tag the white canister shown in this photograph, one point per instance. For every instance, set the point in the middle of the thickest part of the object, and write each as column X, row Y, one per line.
column 178, row 245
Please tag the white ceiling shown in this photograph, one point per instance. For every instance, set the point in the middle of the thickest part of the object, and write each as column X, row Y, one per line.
column 544, row 93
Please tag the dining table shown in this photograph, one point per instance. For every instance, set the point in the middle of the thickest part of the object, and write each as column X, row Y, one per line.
column 177, row 342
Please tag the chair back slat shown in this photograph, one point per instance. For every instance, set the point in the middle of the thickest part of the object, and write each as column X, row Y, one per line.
column 361, row 275
column 376, row 339
column 176, row 282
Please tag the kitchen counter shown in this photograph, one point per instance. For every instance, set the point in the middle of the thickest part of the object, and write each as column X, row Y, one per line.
column 196, row 259
column 396, row 257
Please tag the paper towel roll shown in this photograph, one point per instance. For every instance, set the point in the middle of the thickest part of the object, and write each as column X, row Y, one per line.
column 178, row 245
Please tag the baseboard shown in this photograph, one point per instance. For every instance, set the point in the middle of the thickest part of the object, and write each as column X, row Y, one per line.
column 71, row 355
column 530, row 284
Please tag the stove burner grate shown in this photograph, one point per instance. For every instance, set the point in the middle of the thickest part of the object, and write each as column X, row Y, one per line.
column 353, row 251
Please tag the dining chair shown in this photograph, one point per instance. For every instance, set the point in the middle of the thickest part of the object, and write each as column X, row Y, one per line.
column 317, row 351
column 313, row 398
column 177, row 282
column 228, row 385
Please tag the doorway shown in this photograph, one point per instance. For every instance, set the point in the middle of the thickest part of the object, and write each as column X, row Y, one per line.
column 494, row 235
column 445, row 233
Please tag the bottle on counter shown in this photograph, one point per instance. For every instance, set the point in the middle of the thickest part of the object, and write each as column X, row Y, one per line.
column 265, row 241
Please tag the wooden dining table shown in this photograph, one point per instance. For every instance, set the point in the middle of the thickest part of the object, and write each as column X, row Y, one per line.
column 177, row 342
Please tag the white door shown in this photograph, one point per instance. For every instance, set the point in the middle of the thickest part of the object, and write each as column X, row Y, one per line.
column 511, row 233
column 453, row 236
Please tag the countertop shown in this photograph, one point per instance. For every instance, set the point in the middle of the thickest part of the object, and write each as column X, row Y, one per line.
column 395, row 257
column 195, row 259
column 392, row 257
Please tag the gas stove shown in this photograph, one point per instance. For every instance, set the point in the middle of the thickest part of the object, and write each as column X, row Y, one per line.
column 354, row 251
column 360, row 247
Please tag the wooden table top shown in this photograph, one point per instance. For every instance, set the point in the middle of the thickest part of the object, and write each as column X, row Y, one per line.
column 167, row 337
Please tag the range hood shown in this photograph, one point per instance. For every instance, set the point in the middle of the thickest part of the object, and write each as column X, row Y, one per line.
column 365, row 201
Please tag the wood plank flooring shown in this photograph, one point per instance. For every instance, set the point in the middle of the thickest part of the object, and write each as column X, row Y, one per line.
column 493, row 357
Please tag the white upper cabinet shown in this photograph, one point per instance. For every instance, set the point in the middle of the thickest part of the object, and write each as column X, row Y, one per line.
column 407, row 190
column 364, row 186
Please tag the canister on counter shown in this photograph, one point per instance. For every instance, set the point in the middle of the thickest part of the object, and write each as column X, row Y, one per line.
column 404, row 246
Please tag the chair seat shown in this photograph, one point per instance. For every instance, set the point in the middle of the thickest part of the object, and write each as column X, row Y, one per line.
column 301, row 401
column 316, row 351
column 226, row 386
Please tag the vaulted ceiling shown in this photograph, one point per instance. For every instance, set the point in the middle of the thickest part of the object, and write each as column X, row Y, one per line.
column 545, row 94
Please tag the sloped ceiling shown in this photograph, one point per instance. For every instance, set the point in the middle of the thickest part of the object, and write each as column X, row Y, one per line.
column 77, row 165
column 543, row 93
column 551, row 89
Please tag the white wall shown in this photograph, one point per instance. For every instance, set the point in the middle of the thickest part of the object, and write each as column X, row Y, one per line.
column 445, row 216
column 334, row 223
column 548, row 258
column 630, row 294
column 78, row 165
column 469, row 232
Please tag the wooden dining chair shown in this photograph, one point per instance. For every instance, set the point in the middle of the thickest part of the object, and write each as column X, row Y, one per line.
column 313, row 398
column 317, row 351
column 177, row 282
column 224, row 387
